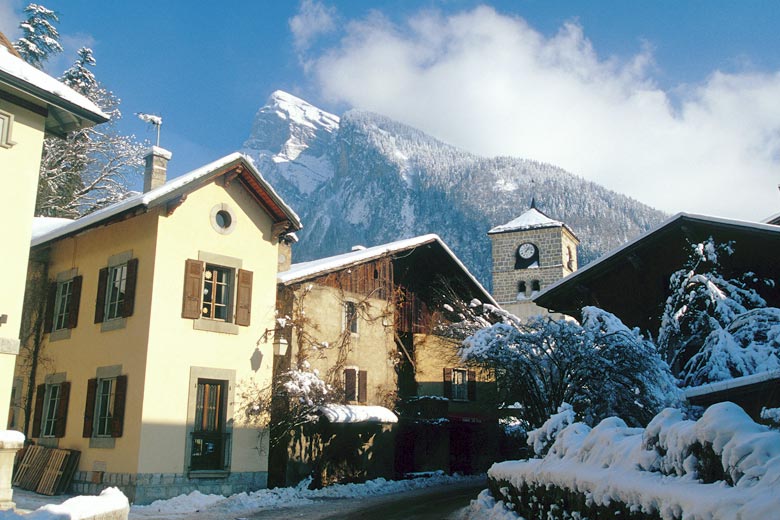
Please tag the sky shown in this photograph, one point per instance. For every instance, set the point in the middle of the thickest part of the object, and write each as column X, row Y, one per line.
column 674, row 103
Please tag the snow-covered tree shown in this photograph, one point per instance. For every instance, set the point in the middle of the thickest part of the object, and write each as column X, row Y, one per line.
column 40, row 38
column 715, row 326
column 296, row 393
column 601, row 368
column 89, row 168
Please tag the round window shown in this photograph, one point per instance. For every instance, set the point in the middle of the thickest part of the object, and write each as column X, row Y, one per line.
column 223, row 219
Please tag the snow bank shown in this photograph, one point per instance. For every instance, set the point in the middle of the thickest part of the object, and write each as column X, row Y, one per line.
column 111, row 503
column 348, row 413
column 656, row 470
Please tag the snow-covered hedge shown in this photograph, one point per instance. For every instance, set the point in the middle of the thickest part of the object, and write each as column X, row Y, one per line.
column 722, row 466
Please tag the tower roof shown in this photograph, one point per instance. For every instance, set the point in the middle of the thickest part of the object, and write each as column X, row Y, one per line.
column 531, row 219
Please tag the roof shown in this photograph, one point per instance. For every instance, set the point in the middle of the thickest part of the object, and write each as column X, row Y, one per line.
column 5, row 42
column 66, row 109
column 637, row 273
column 241, row 165
column 351, row 413
column 306, row 270
column 731, row 384
column 531, row 219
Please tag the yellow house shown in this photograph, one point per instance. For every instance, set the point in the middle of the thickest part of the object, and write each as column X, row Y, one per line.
column 366, row 321
column 155, row 310
column 32, row 105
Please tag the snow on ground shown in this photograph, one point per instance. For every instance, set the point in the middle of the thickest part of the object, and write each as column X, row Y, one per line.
column 243, row 503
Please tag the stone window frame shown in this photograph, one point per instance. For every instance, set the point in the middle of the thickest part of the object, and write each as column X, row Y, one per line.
column 119, row 322
column 346, row 324
column 234, row 264
column 63, row 332
column 95, row 441
column 6, row 129
column 51, row 381
column 227, row 375
column 226, row 208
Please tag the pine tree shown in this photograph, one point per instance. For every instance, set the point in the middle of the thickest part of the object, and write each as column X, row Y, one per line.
column 40, row 38
column 715, row 325
column 90, row 168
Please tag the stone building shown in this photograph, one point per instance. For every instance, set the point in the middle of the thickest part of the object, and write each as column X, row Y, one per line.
column 530, row 253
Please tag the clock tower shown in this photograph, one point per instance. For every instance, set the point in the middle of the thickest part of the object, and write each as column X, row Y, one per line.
column 530, row 253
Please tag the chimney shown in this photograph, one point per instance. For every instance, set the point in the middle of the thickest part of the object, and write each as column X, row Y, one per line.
column 156, row 164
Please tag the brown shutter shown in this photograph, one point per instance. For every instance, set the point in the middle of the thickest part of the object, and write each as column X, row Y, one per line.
column 448, row 383
column 244, row 298
column 89, row 407
column 50, row 300
column 62, row 410
column 120, row 396
column 132, row 275
column 100, row 300
column 362, row 386
column 75, row 298
column 350, row 385
column 471, row 389
column 40, row 394
column 193, row 288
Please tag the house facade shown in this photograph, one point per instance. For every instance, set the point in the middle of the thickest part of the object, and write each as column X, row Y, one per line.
column 366, row 322
column 154, row 311
column 32, row 106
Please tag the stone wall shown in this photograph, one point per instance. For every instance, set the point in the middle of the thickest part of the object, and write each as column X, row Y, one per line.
column 145, row 488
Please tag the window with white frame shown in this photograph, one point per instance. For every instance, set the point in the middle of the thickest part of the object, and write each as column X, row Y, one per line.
column 62, row 305
column 460, row 384
column 217, row 292
column 104, row 406
column 115, row 293
column 51, row 406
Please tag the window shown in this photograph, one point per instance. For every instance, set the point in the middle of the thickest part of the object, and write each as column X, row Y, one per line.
column 355, row 385
column 6, row 126
column 209, row 438
column 217, row 289
column 460, row 384
column 350, row 317
column 535, row 286
column 51, row 407
column 62, row 306
column 116, row 289
column 105, row 408
column 217, row 293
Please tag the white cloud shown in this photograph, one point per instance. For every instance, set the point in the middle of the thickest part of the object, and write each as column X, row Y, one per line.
column 313, row 20
column 491, row 84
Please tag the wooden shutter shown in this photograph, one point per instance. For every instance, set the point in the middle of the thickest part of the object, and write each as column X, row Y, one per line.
column 350, row 384
column 362, row 386
column 244, row 298
column 120, row 396
column 100, row 300
column 193, row 288
column 62, row 410
column 50, row 301
column 75, row 298
column 40, row 395
column 448, row 383
column 471, row 389
column 132, row 275
column 89, row 407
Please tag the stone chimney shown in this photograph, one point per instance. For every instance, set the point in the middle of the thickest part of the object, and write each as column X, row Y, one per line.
column 285, row 251
column 156, row 165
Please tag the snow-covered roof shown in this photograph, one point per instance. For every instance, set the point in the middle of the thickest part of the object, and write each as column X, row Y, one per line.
column 163, row 194
column 531, row 219
column 349, row 413
column 44, row 225
column 747, row 225
column 304, row 270
column 26, row 78
column 737, row 382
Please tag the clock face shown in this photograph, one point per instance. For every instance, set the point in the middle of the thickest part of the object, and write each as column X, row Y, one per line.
column 526, row 250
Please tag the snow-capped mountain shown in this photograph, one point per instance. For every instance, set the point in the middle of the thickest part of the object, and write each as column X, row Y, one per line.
column 364, row 179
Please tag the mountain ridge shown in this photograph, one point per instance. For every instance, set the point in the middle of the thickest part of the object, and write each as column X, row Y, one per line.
column 366, row 179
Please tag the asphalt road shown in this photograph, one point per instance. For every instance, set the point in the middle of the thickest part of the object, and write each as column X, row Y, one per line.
column 435, row 503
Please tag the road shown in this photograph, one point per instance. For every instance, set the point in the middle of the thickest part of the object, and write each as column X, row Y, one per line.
column 436, row 503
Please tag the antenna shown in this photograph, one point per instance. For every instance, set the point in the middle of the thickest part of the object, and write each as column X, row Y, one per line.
column 153, row 120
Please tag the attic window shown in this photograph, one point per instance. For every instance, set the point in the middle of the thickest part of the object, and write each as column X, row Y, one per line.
column 6, row 126
column 223, row 219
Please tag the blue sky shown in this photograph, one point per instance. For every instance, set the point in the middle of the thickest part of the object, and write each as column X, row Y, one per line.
column 674, row 103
